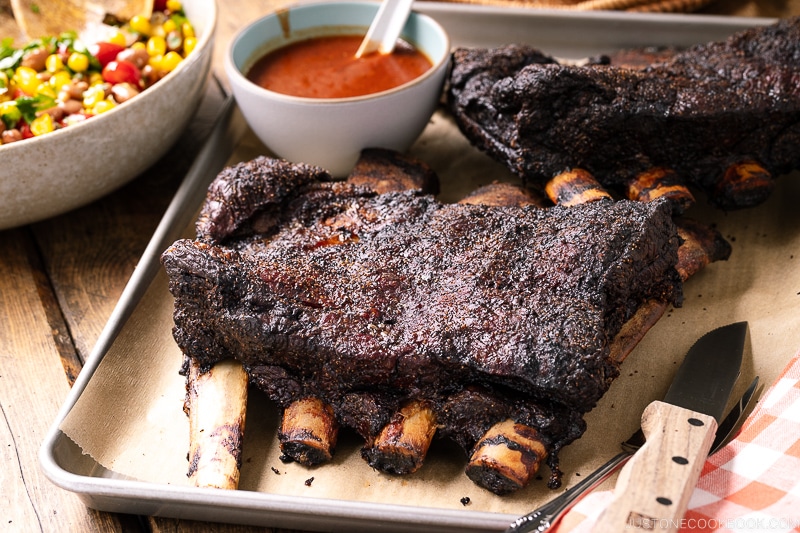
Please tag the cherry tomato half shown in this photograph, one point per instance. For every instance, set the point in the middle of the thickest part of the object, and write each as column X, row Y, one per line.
column 121, row 72
column 105, row 52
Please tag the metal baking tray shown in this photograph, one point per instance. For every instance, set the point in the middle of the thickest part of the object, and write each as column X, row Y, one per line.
column 559, row 33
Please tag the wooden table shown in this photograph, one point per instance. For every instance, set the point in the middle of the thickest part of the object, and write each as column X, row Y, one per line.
column 60, row 280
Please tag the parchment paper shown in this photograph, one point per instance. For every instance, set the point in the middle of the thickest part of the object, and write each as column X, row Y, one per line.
column 130, row 418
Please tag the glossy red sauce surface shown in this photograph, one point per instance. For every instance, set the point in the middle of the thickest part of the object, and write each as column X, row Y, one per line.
column 326, row 67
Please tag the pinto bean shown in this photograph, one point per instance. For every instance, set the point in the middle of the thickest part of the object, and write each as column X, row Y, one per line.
column 136, row 56
column 71, row 106
column 56, row 112
column 35, row 58
column 10, row 136
column 74, row 90
column 123, row 92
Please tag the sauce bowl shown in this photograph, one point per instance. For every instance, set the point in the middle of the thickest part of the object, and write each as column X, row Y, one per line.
column 331, row 132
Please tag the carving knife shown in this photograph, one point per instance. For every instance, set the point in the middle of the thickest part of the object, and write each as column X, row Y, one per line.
column 653, row 489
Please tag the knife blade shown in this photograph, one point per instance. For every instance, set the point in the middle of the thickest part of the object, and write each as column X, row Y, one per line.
column 653, row 489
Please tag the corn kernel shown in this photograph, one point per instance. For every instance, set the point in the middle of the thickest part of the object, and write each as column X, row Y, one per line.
column 102, row 106
column 53, row 63
column 169, row 25
column 78, row 62
column 155, row 62
column 42, row 124
column 118, row 38
column 156, row 46
column 187, row 30
column 59, row 79
column 95, row 78
column 93, row 95
column 189, row 44
column 170, row 61
column 26, row 81
column 138, row 45
column 140, row 24
column 174, row 5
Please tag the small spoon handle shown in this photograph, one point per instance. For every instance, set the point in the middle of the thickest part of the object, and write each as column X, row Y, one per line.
column 386, row 27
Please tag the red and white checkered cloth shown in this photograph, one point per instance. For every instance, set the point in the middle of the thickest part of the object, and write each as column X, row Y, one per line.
column 750, row 485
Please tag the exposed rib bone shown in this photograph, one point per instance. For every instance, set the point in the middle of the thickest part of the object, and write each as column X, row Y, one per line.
column 308, row 431
column 660, row 183
column 744, row 184
column 701, row 245
column 574, row 187
column 216, row 402
column 401, row 446
column 503, row 194
column 506, row 457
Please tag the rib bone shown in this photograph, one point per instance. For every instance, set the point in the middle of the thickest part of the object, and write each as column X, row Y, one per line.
column 403, row 443
column 574, row 187
column 216, row 403
column 308, row 431
column 506, row 458
column 661, row 183
column 743, row 184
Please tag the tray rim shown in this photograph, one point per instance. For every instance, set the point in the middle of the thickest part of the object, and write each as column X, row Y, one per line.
column 255, row 508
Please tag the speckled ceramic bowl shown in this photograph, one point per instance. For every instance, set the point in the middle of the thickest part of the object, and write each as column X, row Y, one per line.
column 55, row 173
column 332, row 132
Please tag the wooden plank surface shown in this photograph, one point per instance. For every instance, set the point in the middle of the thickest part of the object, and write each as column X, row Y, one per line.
column 33, row 384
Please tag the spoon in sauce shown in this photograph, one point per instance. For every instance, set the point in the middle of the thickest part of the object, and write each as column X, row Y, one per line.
column 43, row 18
column 385, row 29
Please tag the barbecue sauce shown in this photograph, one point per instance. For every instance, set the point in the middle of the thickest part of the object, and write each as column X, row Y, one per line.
column 326, row 67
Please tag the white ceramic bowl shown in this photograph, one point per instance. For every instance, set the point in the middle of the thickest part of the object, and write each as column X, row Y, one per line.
column 331, row 133
column 60, row 171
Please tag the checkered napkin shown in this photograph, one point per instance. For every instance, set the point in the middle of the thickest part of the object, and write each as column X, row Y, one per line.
column 752, row 484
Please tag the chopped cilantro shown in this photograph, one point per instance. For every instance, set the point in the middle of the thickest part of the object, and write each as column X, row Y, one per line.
column 29, row 105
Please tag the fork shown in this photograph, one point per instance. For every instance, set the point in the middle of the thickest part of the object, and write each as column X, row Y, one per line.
column 548, row 515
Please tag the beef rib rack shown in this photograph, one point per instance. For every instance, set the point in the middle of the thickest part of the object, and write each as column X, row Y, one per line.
column 722, row 118
column 367, row 303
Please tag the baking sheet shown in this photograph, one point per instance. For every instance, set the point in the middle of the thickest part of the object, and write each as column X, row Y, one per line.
column 120, row 440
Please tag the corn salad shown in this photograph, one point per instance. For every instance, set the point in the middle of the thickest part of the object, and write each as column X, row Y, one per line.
column 53, row 82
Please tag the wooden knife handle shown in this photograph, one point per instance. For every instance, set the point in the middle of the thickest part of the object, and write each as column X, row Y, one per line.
column 653, row 489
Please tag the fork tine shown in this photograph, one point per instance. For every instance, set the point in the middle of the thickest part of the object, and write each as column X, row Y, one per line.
column 734, row 419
